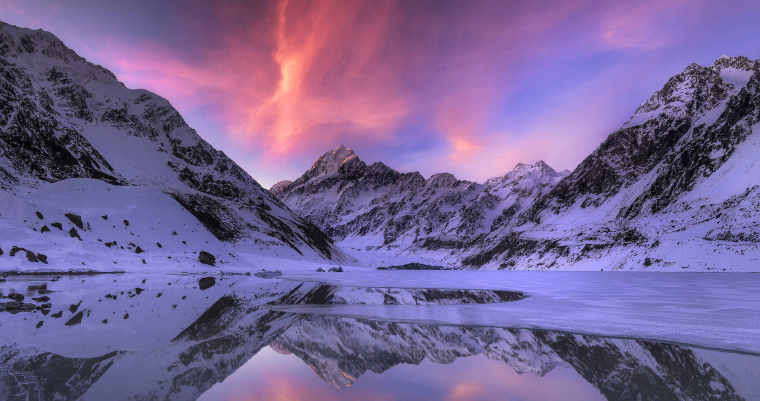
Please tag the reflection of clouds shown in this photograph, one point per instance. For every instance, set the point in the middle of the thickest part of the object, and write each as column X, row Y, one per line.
column 274, row 376
column 465, row 391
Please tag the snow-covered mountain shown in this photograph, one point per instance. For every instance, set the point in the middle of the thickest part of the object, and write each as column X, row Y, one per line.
column 91, row 167
column 373, row 207
column 676, row 187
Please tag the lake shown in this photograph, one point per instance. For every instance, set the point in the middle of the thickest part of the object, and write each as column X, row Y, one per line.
column 379, row 336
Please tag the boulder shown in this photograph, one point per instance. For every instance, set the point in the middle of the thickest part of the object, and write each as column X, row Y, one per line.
column 206, row 282
column 207, row 258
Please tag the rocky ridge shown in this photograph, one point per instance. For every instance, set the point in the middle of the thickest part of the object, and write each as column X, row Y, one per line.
column 377, row 207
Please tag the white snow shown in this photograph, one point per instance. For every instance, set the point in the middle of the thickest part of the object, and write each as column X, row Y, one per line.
column 739, row 173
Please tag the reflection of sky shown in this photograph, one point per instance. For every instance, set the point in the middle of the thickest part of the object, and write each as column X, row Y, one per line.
column 471, row 87
column 271, row 376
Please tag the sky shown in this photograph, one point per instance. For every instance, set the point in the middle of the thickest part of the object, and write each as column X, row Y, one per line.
column 467, row 87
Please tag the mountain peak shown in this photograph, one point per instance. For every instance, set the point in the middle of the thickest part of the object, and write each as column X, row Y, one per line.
column 735, row 62
column 34, row 45
column 442, row 180
column 526, row 175
column 539, row 165
column 330, row 162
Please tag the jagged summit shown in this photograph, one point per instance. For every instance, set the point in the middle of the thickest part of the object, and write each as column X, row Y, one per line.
column 696, row 89
column 16, row 41
column 330, row 161
column 737, row 62
column 540, row 164
column 682, row 170
column 539, row 167
column 669, row 178
column 442, row 180
column 646, row 185
column 350, row 199
column 527, row 175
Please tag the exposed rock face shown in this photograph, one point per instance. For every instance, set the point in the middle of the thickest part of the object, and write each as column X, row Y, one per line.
column 348, row 199
column 279, row 187
column 62, row 117
column 206, row 282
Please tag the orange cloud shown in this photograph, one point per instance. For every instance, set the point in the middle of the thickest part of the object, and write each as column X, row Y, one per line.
column 321, row 89
column 319, row 70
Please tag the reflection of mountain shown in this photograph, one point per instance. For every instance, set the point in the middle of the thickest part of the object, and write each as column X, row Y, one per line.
column 33, row 376
column 341, row 350
column 640, row 370
column 221, row 340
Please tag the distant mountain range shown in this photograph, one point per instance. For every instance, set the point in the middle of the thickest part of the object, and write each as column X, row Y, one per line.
column 376, row 207
column 676, row 187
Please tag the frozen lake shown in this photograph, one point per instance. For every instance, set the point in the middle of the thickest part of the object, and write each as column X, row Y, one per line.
column 381, row 336
column 714, row 310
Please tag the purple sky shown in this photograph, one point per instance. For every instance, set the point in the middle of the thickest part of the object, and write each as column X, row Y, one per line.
column 469, row 87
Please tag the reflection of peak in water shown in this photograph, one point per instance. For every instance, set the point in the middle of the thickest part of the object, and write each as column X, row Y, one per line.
column 341, row 350
column 30, row 375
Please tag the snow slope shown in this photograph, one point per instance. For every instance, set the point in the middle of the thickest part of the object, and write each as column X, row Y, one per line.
column 68, row 128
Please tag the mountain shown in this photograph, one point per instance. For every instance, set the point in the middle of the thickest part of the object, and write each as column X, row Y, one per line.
column 375, row 208
column 126, row 168
column 674, row 188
